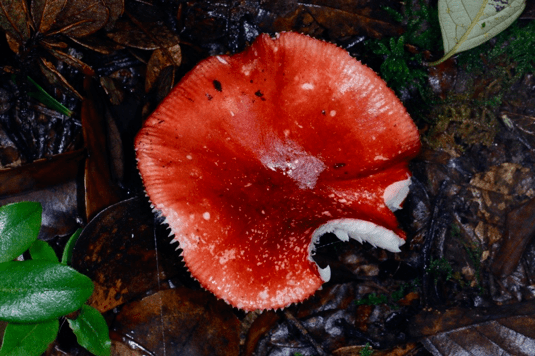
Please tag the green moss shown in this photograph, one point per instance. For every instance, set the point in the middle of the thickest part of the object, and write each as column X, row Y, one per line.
column 402, row 57
column 366, row 350
column 513, row 50
column 392, row 299
column 459, row 123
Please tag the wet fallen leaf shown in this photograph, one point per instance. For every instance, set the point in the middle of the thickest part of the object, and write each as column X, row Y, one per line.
column 45, row 12
column 53, row 183
column 70, row 60
column 14, row 19
column 159, row 60
column 101, row 190
column 117, row 251
column 407, row 350
column 81, row 18
column 54, row 77
column 519, row 232
column 129, row 35
column 338, row 18
column 505, row 336
column 179, row 322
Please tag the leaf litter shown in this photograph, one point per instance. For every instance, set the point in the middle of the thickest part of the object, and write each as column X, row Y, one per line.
column 463, row 190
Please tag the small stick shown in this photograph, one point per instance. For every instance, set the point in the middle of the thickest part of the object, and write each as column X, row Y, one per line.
column 293, row 320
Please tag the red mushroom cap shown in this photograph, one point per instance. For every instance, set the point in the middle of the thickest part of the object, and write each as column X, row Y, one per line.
column 252, row 157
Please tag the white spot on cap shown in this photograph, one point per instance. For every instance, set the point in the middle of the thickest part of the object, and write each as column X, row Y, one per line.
column 332, row 113
column 263, row 294
column 294, row 162
column 307, row 86
column 227, row 255
column 189, row 157
column 222, row 60
column 206, row 215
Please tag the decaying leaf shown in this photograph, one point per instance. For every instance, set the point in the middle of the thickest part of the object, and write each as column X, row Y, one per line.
column 101, row 189
column 180, row 321
column 52, row 182
column 129, row 35
column 150, row 36
column 81, row 18
column 54, row 77
column 337, row 18
column 119, row 237
column 466, row 24
column 70, row 60
column 45, row 12
column 159, row 60
column 497, row 330
column 14, row 19
column 519, row 232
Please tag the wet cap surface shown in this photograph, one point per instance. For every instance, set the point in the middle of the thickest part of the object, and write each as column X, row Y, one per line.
column 251, row 154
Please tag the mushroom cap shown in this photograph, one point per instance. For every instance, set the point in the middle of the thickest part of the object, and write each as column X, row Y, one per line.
column 252, row 157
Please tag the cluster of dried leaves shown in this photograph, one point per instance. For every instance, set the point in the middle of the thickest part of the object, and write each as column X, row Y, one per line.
column 469, row 260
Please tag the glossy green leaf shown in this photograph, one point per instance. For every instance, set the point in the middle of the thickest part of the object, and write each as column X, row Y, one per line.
column 466, row 24
column 40, row 250
column 69, row 247
column 42, row 96
column 28, row 339
column 19, row 227
column 37, row 290
column 92, row 331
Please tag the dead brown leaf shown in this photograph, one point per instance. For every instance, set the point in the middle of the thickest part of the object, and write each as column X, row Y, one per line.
column 180, row 322
column 81, row 18
column 45, row 12
column 55, row 78
column 101, row 190
column 51, row 181
column 129, row 35
column 117, row 251
column 160, row 59
column 519, row 232
column 339, row 19
column 116, row 9
column 14, row 19
column 70, row 60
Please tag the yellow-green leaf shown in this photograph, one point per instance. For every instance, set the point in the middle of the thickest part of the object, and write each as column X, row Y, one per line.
column 466, row 24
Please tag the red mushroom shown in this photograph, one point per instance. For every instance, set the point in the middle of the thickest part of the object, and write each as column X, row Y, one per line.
column 252, row 157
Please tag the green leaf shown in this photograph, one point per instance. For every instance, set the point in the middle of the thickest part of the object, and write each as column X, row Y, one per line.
column 42, row 96
column 40, row 250
column 466, row 24
column 69, row 247
column 36, row 290
column 19, row 227
column 91, row 331
column 28, row 339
